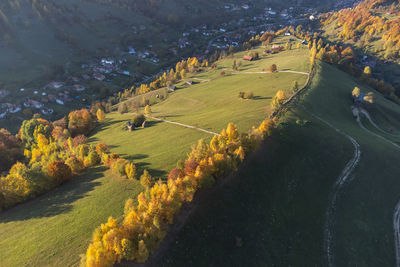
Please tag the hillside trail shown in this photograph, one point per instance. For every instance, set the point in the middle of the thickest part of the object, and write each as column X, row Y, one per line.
column 396, row 216
column 183, row 125
column 340, row 182
column 366, row 114
column 269, row 72
column 202, row 80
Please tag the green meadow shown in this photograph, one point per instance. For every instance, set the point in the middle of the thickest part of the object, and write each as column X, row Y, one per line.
column 56, row 228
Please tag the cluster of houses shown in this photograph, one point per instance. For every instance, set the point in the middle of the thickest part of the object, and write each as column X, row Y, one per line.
column 146, row 55
column 99, row 70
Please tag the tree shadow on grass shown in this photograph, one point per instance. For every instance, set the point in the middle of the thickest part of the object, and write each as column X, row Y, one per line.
column 105, row 125
column 134, row 157
column 57, row 201
column 261, row 97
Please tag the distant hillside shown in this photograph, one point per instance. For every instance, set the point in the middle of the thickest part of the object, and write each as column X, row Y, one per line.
column 373, row 28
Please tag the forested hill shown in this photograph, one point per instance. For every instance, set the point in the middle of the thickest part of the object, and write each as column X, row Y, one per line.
column 373, row 28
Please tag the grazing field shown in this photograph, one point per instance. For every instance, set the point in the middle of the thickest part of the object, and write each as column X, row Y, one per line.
column 364, row 231
column 56, row 228
column 279, row 200
column 272, row 212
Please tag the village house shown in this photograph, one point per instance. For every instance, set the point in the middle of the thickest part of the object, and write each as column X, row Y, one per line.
column 55, row 85
column 79, row 88
column 247, row 58
column 75, row 79
column 33, row 104
column 99, row 76
column 132, row 50
column 47, row 111
column 107, row 62
column 171, row 87
column 4, row 93
column 14, row 109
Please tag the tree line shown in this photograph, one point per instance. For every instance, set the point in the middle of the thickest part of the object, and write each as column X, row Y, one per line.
column 46, row 154
column 146, row 222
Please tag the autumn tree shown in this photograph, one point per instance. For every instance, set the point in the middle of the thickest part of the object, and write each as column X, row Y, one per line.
column 10, row 150
column 130, row 170
column 100, row 115
column 146, row 180
column 278, row 99
column 356, row 92
column 370, row 98
column 273, row 68
column 81, row 122
column 295, row 87
column 147, row 110
column 122, row 108
column 60, row 171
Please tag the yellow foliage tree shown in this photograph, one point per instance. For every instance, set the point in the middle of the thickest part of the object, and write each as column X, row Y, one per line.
column 101, row 116
column 147, row 110
column 130, row 170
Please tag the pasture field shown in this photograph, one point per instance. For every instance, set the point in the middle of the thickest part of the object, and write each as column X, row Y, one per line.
column 55, row 228
column 364, row 231
column 279, row 199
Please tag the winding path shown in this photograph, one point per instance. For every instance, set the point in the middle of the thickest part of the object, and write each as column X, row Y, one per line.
column 396, row 227
column 357, row 112
column 342, row 179
column 269, row 72
column 366, row 114
column 183, row 125
column 396, row 216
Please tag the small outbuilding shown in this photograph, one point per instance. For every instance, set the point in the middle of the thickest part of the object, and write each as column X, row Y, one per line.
column 247, row 58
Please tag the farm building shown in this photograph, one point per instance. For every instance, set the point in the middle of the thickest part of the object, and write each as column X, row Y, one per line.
column 248, row 58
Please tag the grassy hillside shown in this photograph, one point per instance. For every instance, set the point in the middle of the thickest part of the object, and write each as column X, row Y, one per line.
column 58, row 226
column 365, row 212
column 278, row 201
column 210, row 103
column 272, row 212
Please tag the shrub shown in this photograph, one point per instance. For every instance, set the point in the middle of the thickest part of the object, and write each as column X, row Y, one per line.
column 138, row 120
column 118, row 166
column 60, row 171
column 246, row 95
